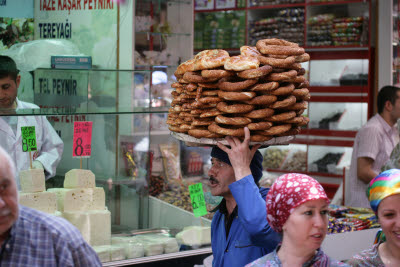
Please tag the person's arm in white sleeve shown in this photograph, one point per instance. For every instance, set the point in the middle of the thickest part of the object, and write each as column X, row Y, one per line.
column 51, row 149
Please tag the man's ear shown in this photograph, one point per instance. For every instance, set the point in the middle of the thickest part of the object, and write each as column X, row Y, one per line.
column 18, row 80
column 388, row 106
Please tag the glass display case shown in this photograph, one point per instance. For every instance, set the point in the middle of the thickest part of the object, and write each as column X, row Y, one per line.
column 134, row 159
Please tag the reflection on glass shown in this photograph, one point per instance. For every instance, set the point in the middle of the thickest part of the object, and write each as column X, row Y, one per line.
column 339, row 72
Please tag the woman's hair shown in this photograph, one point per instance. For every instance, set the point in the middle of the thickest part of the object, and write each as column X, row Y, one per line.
column 288, row 192
column 386, row 184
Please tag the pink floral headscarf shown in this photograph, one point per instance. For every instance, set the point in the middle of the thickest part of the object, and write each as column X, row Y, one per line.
column 288, row 192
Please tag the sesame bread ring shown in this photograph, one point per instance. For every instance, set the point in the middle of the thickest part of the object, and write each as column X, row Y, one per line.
column 280, row 50
column 217, row 73
column 298, row 106
column 231, row 85
column 211, row 113
column 185, row 67
column 176, row 85
column 186, row 96
column 297, row 120
column 210, row 92
column 183, row 81
column 177, row 129
column 185, row 114
column 180, row 90
column 191, row 87
column 234, row 108
column 199, row 105
column 277, row 56
column 274, row 41
column 283, row 76
column 301, row 71
column 185, row 127
column 301, row 92
column 195, row 77
column 238, row 121
column 275, row 130
column 299, row 112
column 210, row 59
column 259, row 138
column 265, row 86
column 257, row 126
column 241, row 63
column 188, row 119
column 197, row 111
column 293, row 131
column 297, row 79
column 295, row 66
column 203, row 133
column 249, row 51
column 171, row 122
column 208, row 85
column 202, row 121
column 236, row 96
column 304, row 84
column 262, row 100
column 282, row 116
column 259, row 113
column 283, row 90
column 307, row 97
column 175, row 93
column 190, row 92
column 255, row 73
column 229, row 131
column 303, row 58
column 277, row 62
column 187, row 106
column 209, row 99
column 288, row 101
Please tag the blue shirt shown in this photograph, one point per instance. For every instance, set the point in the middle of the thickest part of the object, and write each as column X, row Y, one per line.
column 40, row 239
column 250, row 236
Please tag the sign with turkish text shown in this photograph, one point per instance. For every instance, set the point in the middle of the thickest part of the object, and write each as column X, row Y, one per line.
column 28, row 136
column 82, row 145
column 197, row 199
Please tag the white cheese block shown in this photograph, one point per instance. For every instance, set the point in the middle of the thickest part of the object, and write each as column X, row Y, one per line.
column 79, row 178
column 133, row 249
column 152, row 248
column 32, row 180
column 103, row 252
column 43, row 201
column 80, row 199
column 195, row 236
column 170, row 245
column 117, row 252
column 95, row 226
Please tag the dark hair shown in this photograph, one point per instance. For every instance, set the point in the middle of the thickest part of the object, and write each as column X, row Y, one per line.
column 387, row 93
column 8, row 68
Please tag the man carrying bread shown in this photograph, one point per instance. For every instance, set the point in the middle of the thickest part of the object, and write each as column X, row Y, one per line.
column 240, row 232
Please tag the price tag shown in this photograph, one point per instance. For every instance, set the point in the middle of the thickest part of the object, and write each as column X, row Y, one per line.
column 82, row 146
column 28, row 138
column 197, row 199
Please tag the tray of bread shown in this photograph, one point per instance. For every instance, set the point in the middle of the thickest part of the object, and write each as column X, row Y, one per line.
column 264, row 89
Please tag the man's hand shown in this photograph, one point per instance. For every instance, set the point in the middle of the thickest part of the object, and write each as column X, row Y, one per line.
column 240, row 155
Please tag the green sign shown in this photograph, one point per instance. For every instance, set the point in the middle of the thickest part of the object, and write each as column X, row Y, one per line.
column 28, row 138
column 197, row 199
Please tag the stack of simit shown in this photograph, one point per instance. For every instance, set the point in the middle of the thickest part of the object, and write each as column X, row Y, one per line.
column 263, row 88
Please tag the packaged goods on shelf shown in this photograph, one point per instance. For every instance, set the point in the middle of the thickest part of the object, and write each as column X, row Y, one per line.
column 274, row 158
column 319, row 30
column 273, row 2
column 287, row 24
column 327, row 123
column 295, row 161
column 327, row 164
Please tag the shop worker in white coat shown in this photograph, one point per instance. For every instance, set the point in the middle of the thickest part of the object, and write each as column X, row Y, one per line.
column 49, row 144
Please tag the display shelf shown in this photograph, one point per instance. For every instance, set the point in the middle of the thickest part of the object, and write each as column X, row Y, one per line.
column 334, row 2
column 339, row 89
column 164, row 34
column 221, row 10
column 338, row 98
column 323, row 141
column 276, row 6
column 308, row 173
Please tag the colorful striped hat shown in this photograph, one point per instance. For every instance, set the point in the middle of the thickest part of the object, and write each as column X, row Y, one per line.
column 386, row 184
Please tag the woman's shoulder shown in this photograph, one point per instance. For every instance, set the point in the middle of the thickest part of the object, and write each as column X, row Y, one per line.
column 267, row 260
column 368, row 257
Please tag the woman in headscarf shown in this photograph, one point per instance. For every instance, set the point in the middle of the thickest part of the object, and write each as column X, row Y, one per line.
column 383, row 193
column 297, row 208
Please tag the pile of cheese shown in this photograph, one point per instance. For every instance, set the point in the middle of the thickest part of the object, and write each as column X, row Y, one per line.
column 80, row 202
